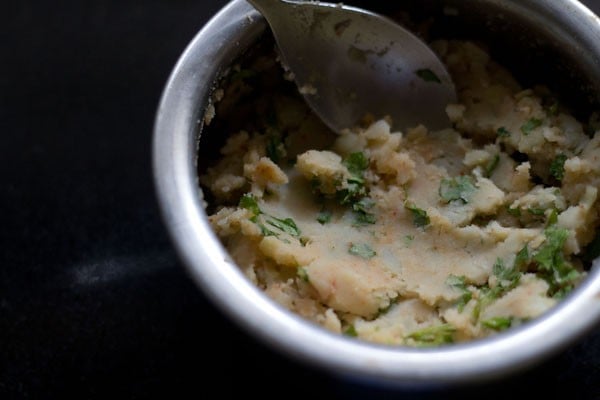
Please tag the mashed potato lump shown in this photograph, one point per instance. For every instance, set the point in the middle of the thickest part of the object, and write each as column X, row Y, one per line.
column 418, row 237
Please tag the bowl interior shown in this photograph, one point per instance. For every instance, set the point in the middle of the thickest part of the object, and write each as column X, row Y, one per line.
column 536, row 40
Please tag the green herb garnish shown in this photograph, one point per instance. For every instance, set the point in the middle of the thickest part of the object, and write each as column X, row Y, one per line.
column 515, row 212
column 522, row 259
column 502, row 132
column 551, row 251
column 362, row 250
column 508, row 278
column 286, row 225
column 535, row 211
column 428, row 75
column 248, row 201
column 363, row 205
column 361, row 212
column 460, row 188
column 324, row 217
column 491, row 166
column 530, row 125
column 552, row 266
column 351, row 331
column 354, row 190
column 420, row 217
column 460, row 283
column 302, row 274
column 266, row 231
column 557, row 167
column 552, row 218
column 498, row 323
column 434, row 335
column 361, row 219
column 356, row 163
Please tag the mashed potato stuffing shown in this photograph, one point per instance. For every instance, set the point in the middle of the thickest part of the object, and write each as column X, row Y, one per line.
column 420, row 237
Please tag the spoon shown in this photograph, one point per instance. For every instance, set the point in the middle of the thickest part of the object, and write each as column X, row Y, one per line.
column 349, row 62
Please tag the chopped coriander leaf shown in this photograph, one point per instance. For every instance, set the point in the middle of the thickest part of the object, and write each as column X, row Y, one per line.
column 515, row 212
column 357, row 180
column 364, row 204
column 302, row 274
column 362, row 250
column 464, row 299
column 491, row 166
column 355, row 185
column 460, row 283
column 286, row 225
column 362, row 216
column 530, row 125
column 522, row 259
column 498, row 323
column 350, row 193
column 549, row 253
column 459, row 188
column 487, row 295
column 552, row 218
column 557, row 167
column 248, row 201
column 552, row 266
column 508, row 277
column 428, row 75
column 535, row 211
column 502, row 132
column 356, row 163
column 563, row 292
column 408, row 239
column 420, row 217
column 304, row 241
column 266, row 231
column 351, row 331
column 324, row 217
column 434, row 335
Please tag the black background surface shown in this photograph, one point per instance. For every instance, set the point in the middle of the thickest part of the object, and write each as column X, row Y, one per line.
column 94, row 303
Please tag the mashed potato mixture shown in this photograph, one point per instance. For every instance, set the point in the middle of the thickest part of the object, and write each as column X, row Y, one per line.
column 416, row 237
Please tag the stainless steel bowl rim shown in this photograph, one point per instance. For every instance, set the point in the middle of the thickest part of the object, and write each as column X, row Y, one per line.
column 178, row 121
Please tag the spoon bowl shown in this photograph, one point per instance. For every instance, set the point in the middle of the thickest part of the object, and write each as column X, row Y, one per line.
column 349, row 63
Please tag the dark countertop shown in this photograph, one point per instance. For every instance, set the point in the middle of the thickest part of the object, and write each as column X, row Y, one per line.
column 94, row 303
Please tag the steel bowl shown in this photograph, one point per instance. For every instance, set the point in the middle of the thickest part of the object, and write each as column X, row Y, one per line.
column 556, row 41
